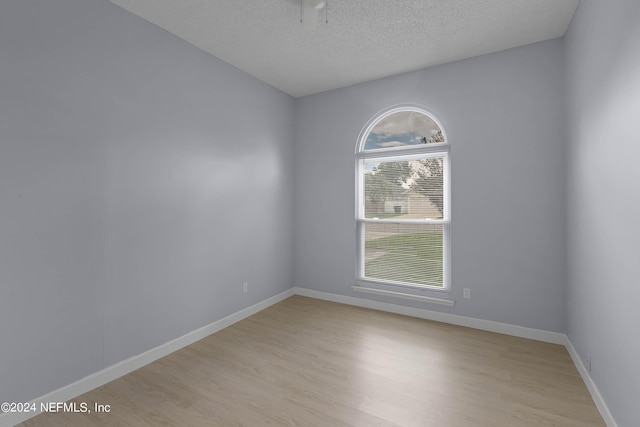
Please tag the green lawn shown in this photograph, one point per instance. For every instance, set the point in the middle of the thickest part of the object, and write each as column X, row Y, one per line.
column 412, row 258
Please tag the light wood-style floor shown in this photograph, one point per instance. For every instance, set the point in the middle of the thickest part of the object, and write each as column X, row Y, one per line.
column 306, row 362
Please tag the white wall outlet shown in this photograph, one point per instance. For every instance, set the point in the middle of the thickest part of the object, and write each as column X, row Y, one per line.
column 466, row 293
column 245, row 287
column 587, row 362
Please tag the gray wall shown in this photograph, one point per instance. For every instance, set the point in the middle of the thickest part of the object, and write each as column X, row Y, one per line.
column 603, row 88
column 141, row 182
column 504, row 116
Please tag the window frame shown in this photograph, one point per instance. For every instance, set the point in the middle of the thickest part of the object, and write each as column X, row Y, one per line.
column 412, row 152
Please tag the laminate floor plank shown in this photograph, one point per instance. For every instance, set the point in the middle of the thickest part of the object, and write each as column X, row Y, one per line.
column 307, row 362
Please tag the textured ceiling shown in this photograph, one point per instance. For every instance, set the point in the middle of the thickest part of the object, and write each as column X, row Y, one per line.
column 364, row 39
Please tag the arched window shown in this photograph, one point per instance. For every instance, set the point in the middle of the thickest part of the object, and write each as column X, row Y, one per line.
column 403, row 200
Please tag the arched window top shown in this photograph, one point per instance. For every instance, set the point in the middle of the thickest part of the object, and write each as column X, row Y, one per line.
column 401, row 128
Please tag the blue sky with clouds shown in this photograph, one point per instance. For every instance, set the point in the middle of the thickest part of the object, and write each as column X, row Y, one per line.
column 376, row 141
column 401, row 129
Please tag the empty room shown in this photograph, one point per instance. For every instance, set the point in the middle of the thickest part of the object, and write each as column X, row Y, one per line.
column 319, row 213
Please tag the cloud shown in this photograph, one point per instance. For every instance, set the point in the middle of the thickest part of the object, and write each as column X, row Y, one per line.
column 388, row 144
column 405, row 122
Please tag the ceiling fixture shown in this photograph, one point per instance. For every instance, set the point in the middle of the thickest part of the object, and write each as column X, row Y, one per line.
column 309, row 11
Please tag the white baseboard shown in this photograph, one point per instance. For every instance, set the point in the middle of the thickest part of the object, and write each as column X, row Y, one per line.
column 591, row 386
column 119, row 369
column 470, row 322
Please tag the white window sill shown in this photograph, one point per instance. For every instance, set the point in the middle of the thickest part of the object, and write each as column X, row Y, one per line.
column 369, row 289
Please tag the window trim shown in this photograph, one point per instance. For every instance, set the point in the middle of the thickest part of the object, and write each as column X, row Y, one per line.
column 441, row 149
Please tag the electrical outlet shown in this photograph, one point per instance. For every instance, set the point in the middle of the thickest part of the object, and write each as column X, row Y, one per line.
column 245, row 287
column 587, row 362
column 466, row 293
